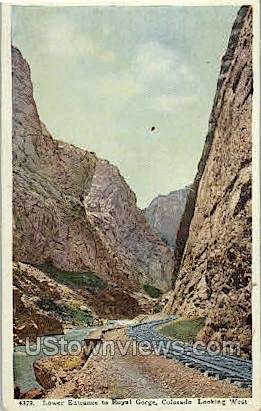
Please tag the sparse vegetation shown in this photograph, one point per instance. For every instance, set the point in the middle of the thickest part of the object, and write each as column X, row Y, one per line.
column 66, row 312
column 153, row 292
column 158, row 308
column 69, row 363
column 184, row 330
column 78, row 316
column 84, row 280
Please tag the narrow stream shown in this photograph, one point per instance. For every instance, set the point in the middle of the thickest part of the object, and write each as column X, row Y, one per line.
column 23, row 362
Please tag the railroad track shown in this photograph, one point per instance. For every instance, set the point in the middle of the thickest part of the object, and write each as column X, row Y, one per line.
column 232, row 369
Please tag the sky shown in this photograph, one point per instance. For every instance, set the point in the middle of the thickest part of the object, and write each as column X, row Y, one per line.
column 103, row 76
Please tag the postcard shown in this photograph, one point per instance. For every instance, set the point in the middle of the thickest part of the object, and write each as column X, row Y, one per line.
column 130, row 205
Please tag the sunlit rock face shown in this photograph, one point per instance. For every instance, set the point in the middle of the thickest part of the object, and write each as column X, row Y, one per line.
column 74, row 211
column 111, row 207
column 164, row 214
column 213, row 265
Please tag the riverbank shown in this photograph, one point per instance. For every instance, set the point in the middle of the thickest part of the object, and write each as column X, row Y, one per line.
column 24, row 358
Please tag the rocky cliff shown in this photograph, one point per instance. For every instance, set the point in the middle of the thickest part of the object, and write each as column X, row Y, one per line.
column 47, row 300
column 111, row 208
column 73, row 211
column 213, row 265
column 164, row 214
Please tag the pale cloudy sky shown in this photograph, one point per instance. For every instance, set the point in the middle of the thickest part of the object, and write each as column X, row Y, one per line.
column 103, row 76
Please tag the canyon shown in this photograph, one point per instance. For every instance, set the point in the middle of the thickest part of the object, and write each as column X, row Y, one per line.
column 84, row 252
column 78, row 235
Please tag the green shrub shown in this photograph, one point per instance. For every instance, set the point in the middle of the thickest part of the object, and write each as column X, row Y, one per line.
column 78, row 316
column 66, row 312
column 75, row 279
column 153, row 292
column 183, row 329
column 158, row 308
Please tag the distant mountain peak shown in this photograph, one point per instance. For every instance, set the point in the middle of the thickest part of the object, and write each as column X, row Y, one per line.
column 164, row 214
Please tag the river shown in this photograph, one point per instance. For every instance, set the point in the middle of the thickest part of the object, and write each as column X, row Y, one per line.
column 23, row 361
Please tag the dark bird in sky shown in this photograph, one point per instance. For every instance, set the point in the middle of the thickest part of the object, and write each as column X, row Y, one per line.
column 153, row 128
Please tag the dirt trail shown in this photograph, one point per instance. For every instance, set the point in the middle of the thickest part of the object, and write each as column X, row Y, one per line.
column 139, row 376
column 131, row 381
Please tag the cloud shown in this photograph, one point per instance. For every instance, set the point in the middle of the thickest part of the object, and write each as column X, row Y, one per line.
column 169, row 103
column 63, row 38
column 106, row 56
column 166, row 79
column 154, row 59
column 147, row 73
column 118, row 86
column 60, row 37
column 185, row 73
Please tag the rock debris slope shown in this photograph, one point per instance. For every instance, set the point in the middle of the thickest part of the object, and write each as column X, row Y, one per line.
column 74, row 211
column 213, row 264
column 44, row 305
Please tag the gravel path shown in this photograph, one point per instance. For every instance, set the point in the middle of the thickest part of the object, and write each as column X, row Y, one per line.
column 131, row 380
column 139, row 376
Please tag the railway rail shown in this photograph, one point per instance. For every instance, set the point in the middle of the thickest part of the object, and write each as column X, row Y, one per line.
column 218, row 365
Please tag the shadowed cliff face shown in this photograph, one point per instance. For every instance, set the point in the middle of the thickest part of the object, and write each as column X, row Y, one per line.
column 74, row 211
column 214, row 239
column 164, row 214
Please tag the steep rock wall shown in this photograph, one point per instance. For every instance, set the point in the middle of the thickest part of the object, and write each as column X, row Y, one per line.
column 214, row 270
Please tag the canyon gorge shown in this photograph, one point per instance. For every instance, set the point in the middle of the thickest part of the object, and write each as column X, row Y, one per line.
column 83, row 249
